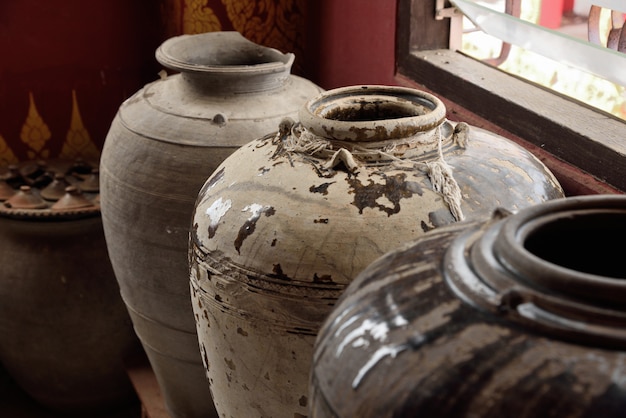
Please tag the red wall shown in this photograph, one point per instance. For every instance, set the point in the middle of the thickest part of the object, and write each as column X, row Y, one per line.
column 67, row 65
column 351, row 42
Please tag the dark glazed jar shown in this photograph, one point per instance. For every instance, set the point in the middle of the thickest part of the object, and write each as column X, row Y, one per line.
column 65, row 332
column 521, row 316
column 287, row 221
column 162, row 145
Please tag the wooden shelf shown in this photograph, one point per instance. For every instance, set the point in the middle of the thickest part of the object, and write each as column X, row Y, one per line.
column 147, row 388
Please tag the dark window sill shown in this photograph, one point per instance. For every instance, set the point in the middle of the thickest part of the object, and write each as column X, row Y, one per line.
column 554, row 127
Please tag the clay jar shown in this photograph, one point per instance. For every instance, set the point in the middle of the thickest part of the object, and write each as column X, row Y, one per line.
column 162, row 145
column 65, row 330
column 521, row 315
column 287, row 221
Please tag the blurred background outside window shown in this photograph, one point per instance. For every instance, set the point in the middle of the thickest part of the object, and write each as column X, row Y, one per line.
column 575, row 19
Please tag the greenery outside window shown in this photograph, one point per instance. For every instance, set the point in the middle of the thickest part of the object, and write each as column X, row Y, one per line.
column 565, row 131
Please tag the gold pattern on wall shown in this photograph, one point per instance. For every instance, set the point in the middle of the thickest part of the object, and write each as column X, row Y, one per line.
column 35, row 133
column 6, row 155
column 274, row 23
column 78, row 142
column 199, row 18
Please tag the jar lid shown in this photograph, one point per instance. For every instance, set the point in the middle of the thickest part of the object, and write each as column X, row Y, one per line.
column 49, row 190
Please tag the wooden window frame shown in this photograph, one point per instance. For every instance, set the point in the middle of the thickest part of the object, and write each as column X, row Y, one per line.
column 583, row 146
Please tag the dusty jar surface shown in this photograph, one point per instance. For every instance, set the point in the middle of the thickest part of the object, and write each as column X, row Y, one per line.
column 162, row 145
column 286, row 222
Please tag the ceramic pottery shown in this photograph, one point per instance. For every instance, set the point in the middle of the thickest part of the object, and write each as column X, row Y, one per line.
column 287, row 221
column 162, row 145
column 65, row 330
column 521, row 315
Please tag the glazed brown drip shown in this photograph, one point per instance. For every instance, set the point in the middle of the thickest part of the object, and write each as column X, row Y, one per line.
column 322, row 188
column 395, row 188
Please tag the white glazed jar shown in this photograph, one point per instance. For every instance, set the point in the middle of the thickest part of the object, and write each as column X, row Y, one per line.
column 287, row 221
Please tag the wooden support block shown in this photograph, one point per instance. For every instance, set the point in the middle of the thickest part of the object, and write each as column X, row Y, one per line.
column 147, row 388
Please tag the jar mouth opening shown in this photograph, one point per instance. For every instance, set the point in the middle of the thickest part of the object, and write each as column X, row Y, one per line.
column 375, row 109
column 567, row 246
column 221, row 52
column 372, row 113
column 542, row 267
column 583, row 242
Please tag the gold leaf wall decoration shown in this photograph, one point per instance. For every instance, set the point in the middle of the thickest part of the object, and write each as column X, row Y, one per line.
column 278, row 24
column 199, row 18
column 78, row 143
column 35, row 133
column 6, row 155
column 275, row 23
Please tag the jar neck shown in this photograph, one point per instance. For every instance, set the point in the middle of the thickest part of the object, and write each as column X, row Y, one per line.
column 566, row 248
column 224, row 62
column 233, row 80
column 550, row 267
column 371, row 114
column 427, row 145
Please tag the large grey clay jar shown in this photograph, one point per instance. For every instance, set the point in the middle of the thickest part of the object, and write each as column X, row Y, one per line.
column 162, row 145
column 522, row 315
column 64, row 330
column 287, row 221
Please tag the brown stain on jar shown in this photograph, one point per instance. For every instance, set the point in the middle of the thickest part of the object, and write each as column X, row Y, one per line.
column 230, row 364
column 394, row 189
column 322, row 188
column 278, row 273
column 205, row 357
column 324, row 278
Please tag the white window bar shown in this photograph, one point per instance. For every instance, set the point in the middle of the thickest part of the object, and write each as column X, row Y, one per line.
column 598, row 60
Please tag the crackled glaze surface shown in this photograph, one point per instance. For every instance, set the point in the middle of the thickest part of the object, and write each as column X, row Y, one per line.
column 278, row 234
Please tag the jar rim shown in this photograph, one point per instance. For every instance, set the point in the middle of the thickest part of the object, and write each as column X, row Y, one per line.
column 490, row 267
column 511, row 246
column 364, row 113
column 220, row 53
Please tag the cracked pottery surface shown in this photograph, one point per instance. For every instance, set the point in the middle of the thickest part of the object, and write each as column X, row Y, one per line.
column 286, row 222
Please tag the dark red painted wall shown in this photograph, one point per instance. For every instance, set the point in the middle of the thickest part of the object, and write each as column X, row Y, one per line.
column 102, row 50
column 63, row 56
column 351, row 42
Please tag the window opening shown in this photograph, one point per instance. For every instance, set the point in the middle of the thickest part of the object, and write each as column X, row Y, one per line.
column 572, row 47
